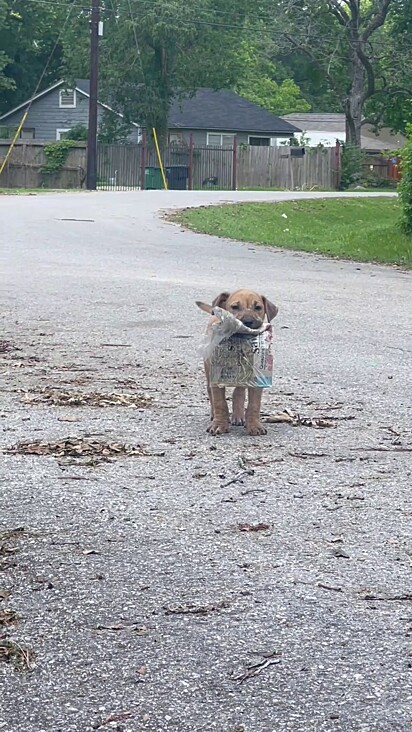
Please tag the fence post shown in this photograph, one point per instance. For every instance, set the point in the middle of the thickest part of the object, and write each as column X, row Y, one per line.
column 190, row 181
column 337, row 156
column 143, row 161
column 234, row 165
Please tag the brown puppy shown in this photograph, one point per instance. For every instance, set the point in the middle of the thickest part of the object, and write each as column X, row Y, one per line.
column 251, row 309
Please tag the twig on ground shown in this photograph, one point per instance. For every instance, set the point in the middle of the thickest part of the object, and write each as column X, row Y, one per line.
column 256, row 668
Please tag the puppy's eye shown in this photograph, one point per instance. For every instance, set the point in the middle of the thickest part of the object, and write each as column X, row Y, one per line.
column 258, row 307
column 235, row 307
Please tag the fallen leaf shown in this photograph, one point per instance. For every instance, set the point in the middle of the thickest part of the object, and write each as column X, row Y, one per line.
column 191, row 609
column 13, row 652
column 253, row 527
column 8, row 617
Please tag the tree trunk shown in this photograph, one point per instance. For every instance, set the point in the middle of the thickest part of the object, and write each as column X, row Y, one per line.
column 355, row 102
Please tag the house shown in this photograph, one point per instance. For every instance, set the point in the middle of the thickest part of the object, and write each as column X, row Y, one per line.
column 210, row 117
column 56, row 110
column 325, row 129
column 216, row 117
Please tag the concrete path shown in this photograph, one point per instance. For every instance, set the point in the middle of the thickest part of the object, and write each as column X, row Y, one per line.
column 141, row 599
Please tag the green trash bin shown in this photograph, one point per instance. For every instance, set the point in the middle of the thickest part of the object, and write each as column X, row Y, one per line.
column 153, row 178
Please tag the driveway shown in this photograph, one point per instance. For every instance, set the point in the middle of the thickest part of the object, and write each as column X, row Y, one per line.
column 143, row 598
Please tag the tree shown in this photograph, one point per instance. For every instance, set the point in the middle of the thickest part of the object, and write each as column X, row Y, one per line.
column 28, row 35
column 151, row 53
column 344, row 40
column 261, row 82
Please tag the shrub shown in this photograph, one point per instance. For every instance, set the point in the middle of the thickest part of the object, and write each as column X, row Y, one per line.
column 405, row 185
column 78, row 132
column 351, row 166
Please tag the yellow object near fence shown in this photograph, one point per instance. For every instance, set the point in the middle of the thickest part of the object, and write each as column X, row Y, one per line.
column 159, row 159
column 13, row 142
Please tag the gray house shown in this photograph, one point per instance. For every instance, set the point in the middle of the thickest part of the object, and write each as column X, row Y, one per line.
column 216, row 117
column 56, row 110
column 210, row 117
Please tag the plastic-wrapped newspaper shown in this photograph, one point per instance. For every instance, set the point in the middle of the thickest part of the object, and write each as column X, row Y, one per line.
column 238, row 355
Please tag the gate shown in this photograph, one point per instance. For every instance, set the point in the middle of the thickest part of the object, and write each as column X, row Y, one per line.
column 129, row 166
column 118, row 167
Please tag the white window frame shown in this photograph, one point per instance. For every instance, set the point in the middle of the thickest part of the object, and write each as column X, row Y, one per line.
column 261, row 137
column 60, row 130
column 222, row 135
column 67, row 106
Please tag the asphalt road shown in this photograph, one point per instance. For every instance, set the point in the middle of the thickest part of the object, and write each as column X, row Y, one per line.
column 141, row 600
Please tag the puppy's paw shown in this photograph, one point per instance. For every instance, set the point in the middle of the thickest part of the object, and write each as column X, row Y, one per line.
column 238, row 418
column 218, row 428
column 255, row 428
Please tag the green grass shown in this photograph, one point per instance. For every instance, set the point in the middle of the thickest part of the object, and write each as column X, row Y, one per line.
column 362, row 229
column 30, row 191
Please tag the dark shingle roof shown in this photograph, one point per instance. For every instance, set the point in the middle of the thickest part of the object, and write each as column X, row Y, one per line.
column 83, row 85
column 224, row 110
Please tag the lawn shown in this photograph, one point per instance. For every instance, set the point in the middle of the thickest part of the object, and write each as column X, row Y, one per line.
column 363, row 229
column 31, row 191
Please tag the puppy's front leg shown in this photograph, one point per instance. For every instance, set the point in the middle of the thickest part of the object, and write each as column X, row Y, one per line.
column 253, row 424
column 220, row 421
column 238, row 405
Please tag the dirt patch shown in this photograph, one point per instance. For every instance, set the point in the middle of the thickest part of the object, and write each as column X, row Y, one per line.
column 58, row 398
column 80, row 450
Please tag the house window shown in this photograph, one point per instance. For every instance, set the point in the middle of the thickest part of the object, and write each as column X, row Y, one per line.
column 62, row 134
column 67, row 98
column 175, row 138
column 220, row 139
column 259, row 141
column 27, row 133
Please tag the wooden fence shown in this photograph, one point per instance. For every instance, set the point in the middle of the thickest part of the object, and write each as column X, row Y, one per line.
column 24, row 167
column 134, row 166
column 288, row 167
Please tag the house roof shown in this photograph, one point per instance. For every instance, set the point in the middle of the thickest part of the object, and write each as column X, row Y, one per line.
column 224, row 110
column 334, row 124
column 81, row 85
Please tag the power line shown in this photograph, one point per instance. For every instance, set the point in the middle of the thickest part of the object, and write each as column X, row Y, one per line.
column 246, row 28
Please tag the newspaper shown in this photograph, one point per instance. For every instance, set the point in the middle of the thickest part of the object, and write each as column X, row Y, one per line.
column 238, row 355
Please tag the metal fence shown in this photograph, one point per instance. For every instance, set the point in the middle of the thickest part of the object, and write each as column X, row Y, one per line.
column 194, row 167
column 136, row 166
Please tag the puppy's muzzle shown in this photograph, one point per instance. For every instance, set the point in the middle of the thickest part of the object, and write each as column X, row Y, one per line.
column 250, row 322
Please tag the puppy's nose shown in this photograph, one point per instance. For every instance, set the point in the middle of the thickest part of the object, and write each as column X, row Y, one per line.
column 249, row 322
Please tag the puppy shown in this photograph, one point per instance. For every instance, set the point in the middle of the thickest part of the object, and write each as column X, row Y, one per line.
column 251, row 309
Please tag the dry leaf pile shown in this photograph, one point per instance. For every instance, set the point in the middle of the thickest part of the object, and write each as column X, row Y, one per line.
column 80, row 450
column 295, row 420
column 7, row 617
column 58, row 398
column 7, row 347
column 13, row 652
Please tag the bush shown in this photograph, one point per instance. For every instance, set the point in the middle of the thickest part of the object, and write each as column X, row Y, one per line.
column 375, row 181
column 405, row 185
column 78, row 132
column 56, row 155
column 351, row 166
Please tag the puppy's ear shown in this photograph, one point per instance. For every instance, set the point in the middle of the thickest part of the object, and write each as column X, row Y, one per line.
column 270, row 309
column 220, row 300
column 203, row 306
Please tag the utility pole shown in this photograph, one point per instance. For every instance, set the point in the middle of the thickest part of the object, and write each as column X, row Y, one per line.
column 91, row 173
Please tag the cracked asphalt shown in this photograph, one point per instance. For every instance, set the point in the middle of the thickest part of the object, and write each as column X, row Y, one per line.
column 141, row 600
